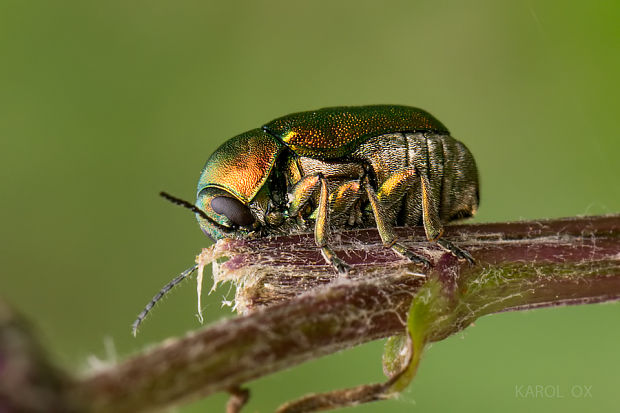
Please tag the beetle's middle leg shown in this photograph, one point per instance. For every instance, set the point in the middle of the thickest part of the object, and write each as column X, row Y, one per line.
column 386, row 231
column 321, row 229
column 302, row 192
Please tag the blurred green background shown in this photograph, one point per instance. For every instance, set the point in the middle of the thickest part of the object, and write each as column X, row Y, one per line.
column 104, row 104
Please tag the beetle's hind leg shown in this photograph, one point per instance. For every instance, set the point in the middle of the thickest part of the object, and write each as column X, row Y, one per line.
column 388, row 236
column 456, row 251
column 433, row 226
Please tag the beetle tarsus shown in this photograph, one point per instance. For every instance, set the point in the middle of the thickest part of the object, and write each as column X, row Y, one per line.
column 341, row 266
column 403, row 251
column 456, row 251
column 332, row 259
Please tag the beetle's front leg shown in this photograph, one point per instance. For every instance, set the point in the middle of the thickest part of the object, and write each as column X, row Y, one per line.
column 302, row 192
column 388, row 236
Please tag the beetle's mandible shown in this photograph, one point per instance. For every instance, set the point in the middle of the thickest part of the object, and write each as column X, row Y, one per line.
column 339, row 168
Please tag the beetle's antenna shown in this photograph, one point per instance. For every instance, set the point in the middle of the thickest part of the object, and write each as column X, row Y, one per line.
column 158, row 296
column 185, row 204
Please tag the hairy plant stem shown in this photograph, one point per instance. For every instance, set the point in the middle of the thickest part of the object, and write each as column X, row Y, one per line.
column 294, row 308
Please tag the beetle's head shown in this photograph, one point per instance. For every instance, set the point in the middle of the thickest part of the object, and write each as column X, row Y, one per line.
column 232, row 189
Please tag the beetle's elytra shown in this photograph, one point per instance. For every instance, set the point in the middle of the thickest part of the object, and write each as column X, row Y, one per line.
column 336, row 168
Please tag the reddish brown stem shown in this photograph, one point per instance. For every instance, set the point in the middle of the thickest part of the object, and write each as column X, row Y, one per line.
column 519, row 265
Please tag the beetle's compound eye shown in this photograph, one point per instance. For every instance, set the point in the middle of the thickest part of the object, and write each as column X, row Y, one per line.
column 232, row 209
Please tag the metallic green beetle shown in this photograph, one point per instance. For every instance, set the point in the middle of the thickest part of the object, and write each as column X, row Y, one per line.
column 340, row 167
